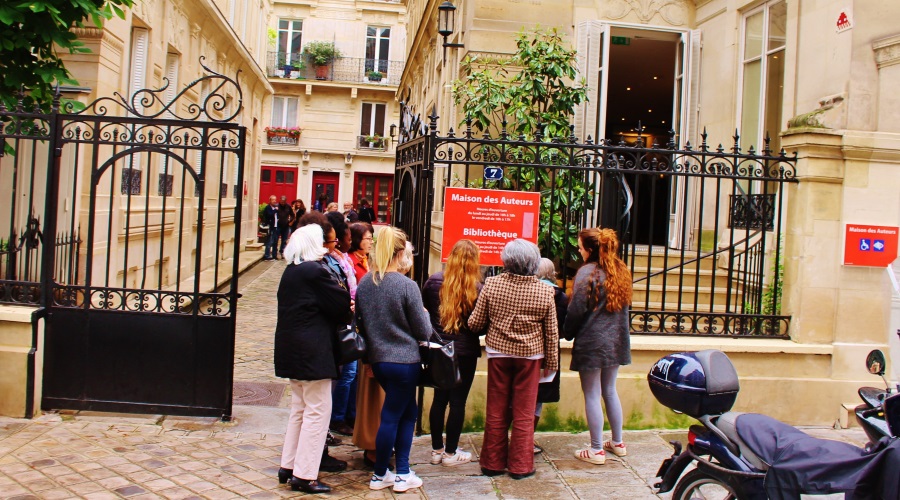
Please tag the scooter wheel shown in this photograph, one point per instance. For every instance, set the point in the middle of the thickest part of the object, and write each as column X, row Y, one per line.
column 697, row 484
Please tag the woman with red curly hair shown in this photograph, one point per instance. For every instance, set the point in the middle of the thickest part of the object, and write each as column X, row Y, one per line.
column 597, row 320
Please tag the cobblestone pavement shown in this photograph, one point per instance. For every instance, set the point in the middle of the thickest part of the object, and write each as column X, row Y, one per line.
column 98, row 456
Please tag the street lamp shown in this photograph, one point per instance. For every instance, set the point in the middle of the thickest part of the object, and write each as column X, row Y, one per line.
column 446, row 24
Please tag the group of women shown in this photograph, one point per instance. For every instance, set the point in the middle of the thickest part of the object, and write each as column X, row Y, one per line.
column 522, row 313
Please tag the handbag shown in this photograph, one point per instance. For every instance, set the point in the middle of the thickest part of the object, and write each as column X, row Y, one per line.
column 352, row 344
column 440, row 367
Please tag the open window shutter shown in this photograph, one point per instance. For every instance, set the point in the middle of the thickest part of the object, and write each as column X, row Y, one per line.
column 172, row 76
column 692, row 117
column 589, row 36
column 139, row 44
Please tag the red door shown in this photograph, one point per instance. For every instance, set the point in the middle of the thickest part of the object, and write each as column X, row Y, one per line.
column 327, row 183
column 280, row 181
column 378, row 190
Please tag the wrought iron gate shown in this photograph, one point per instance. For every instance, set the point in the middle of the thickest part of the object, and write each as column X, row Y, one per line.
column 140, row 291
column 700, row 227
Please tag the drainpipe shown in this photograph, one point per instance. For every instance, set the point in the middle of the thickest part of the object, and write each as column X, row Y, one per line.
column 30, row 362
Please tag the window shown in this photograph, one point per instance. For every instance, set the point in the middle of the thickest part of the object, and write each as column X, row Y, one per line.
column 372, row 125
column 166, row 179
column 290, row 40
column 377, row 189
column 762, row 75
column 284, row 111
column 378, row 45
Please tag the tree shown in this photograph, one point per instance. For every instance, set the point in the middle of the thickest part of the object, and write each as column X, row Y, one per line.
column 31, row 34
column 536, row 92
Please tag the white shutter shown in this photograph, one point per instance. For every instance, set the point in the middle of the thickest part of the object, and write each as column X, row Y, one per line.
column 172, row 76
column 589, row 44
column 278, row 111
column 139, row 44
column 692, row 117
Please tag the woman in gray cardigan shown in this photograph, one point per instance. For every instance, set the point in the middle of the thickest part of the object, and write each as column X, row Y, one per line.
column 390, row 312
column 597, row 320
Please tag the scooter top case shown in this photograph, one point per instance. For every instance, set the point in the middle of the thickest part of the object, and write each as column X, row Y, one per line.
column 695, row 383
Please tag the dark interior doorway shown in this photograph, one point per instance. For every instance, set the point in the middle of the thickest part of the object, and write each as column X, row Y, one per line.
column 641, row 94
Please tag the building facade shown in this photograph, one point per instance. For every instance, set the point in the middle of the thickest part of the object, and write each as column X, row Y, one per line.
column 342, row 111
column 812, row 77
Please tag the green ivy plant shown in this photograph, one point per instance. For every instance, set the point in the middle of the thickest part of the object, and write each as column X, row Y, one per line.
column 32, row 35
column 535, row 92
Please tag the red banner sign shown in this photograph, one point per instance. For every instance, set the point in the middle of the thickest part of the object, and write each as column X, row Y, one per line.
column 491, row 218
column 873, row 246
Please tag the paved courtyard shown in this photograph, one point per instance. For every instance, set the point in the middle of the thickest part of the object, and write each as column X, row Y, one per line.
column 98, row 456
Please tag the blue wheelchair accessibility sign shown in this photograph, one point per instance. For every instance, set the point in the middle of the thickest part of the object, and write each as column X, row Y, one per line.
column 865, row 245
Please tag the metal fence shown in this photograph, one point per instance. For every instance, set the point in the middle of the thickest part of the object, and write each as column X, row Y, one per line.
column 700, row 226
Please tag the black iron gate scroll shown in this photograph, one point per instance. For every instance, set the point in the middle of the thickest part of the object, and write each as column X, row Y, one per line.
column 147, row 323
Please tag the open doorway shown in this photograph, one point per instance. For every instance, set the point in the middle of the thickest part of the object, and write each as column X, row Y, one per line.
column 641, row 101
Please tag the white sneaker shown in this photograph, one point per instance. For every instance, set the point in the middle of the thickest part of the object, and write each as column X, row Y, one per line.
column 403, row 482
column 458, row 458
column 379, row 483
column 437, row 456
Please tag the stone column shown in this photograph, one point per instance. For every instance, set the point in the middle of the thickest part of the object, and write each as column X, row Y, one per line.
column 812, row 241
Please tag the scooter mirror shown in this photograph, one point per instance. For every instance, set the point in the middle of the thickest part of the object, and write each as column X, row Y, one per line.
column 875, row 362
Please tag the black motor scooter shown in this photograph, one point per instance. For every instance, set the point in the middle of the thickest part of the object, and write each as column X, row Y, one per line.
column 870, row 414
column 751, row 456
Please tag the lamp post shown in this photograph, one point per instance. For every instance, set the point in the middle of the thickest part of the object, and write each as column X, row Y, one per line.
column 446, row 25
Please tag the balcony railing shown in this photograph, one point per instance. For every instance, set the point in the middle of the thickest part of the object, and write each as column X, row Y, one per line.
column 343, row 69
column 282, row 140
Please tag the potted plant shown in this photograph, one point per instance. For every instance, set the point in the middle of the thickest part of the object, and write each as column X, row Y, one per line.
column 321, row 54
column 375, row 76
column 375, row 140
column 291, row 67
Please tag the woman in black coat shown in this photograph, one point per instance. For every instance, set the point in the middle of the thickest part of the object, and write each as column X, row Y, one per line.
column 311, row 306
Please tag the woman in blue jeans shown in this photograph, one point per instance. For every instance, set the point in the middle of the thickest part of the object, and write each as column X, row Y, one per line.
column 389, row 308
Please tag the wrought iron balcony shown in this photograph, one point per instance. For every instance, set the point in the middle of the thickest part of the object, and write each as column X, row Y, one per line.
column 294, row 66
column 282, row 140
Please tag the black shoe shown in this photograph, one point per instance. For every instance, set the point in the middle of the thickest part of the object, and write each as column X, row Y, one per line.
column 521, row 476
column 341, row 428
column 284, row 475
column 308, row 486
column 331, row 464
column 490, row 472
column 331, row 440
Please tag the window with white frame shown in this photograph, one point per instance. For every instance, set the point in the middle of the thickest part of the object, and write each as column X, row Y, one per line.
column 371, row 128
column 378, row 48
column 762, row 75
column 290, row 41
column 284, row 111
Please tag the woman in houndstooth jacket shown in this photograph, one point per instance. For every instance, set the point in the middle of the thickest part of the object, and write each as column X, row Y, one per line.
column 522, row 335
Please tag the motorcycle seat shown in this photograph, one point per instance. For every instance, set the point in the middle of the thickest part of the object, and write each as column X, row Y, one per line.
column 727, row 423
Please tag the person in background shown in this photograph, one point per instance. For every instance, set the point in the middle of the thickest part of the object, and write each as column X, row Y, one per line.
column 548, row 392
column 311, row 305
column 349, row 214
column 286, row 216
column 389, row 308
column 299, row 211
column 450, row 297
column 366, row 214
column 270, row 218
column 522, row 336
column 321, row 203
column 360, row 245
column 332, row 207
column 597, row 320
column 369, row 395
column 343, row 411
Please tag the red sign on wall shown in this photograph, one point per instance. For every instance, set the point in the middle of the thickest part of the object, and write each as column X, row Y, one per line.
column 873, row 246
column 491, row 218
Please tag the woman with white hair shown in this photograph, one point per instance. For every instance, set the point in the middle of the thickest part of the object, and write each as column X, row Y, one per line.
column 389, row 308
column 311, row 306
column 521, row 344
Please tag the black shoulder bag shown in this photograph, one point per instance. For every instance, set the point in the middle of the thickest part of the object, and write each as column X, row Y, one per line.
column 440, row 368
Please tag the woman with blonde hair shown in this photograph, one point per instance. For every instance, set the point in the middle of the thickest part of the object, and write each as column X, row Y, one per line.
column 390, row 311
column 597, row 320
column 450, row 297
